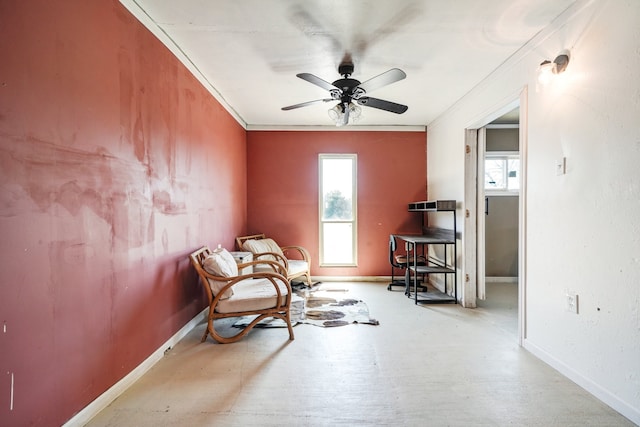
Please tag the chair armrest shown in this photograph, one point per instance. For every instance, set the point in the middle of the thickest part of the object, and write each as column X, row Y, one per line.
column 277, row 267
column 234, row 280
column 304, row 253
column 279, row 258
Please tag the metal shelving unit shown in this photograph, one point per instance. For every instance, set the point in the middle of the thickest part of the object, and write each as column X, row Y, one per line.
column 434, row 236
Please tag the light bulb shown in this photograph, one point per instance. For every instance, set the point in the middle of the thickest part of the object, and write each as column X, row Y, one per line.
column 336, row 113
column 546, row 70
column 354, row 112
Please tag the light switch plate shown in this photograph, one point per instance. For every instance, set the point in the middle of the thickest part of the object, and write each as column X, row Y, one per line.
column 561, row 166
column 572, row 302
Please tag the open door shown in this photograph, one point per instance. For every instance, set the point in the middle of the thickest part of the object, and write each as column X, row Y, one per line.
column 481, row 220
column 474, row 252
column 469, row 237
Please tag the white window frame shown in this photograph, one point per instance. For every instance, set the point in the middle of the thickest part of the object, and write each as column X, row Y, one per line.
column 502, row 155
column 353, row 221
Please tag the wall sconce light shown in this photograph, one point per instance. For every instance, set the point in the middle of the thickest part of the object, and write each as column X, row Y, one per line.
column 548, row 69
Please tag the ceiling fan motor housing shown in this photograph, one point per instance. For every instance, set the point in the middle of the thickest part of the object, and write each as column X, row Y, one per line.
column 345, row 69
column 347, row 85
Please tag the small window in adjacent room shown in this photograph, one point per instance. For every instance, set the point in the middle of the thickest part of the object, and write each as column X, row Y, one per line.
column 501, row 173
column 337, row 204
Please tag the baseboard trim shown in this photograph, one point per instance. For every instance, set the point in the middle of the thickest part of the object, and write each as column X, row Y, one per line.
column 500, row 279
column 353, row 278
column 105, row 399
column 437, row 282
column 625, row 409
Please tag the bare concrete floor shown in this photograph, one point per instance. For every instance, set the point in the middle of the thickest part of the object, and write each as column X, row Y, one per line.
column 431, row 365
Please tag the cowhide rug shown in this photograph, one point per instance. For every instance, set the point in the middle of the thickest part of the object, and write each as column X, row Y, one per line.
column 322, row 306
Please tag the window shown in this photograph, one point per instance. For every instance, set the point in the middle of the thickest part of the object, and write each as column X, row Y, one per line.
column 501, row 173
column 337, row 209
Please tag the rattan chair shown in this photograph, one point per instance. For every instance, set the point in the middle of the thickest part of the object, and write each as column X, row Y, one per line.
column 296, row 259
column 263, row 294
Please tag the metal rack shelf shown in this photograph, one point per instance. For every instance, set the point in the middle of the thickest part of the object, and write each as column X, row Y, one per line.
column 434, row 236
column 432, row 206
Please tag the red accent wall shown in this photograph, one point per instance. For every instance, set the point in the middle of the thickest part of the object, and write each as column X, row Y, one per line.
column 115, row 163
column 282, row 189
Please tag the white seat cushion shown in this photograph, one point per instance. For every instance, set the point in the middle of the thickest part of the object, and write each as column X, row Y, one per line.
column 297, row 266
column 252, row 294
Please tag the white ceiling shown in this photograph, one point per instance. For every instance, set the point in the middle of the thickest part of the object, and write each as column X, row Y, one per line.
column 248, row 52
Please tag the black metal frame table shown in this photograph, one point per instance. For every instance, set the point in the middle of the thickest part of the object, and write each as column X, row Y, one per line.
column 432, row 236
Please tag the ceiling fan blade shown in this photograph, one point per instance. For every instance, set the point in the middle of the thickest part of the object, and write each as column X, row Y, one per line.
column 318, row 81
column 304, row 104
column 381, row 104
column 386, row 78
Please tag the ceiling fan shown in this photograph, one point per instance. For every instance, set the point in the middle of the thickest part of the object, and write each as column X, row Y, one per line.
column 347, row 90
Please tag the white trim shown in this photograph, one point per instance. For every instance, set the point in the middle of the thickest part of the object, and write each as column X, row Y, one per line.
column 498, row 193
column 496, row 279
column 624, row 408
column 438, row 282
column 514, row 153
column 352, row 278
column 504, row 156
column 353, row 157
column 522, row 215
column 503, row 126
column 349, row 128
column 105, row 399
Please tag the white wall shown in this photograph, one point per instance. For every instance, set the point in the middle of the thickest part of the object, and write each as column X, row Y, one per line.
column 582, row 228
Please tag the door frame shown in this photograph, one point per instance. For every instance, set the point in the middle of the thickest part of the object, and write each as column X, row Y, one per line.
column 473, row 206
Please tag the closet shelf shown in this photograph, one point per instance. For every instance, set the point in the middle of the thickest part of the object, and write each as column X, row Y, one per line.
column 432, row 206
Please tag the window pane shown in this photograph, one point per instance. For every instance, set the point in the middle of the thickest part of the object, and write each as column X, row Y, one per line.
column 337, row 189
column 502, row 173
column 494, row 174
column 338, row 243
column 337, row 209
column 336, row 206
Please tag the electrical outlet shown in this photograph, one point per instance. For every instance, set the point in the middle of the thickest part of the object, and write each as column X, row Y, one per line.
column 572, row 302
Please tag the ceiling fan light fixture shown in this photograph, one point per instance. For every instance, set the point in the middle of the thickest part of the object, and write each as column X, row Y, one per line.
column 336, row 113
column 354, row 112
column 339, row 114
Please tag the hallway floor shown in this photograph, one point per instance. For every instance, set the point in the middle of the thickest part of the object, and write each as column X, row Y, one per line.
column 430, row 365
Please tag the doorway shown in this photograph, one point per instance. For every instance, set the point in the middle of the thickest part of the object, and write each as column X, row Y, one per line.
column 498, row 191
column 474, row 252
column 498, row 234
